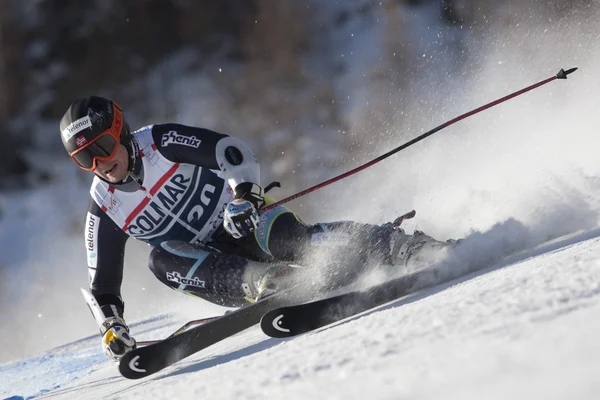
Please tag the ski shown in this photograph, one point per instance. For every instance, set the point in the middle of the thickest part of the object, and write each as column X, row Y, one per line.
column 147, row 360
column 152, row 356
column 183, row 328
column 294, row 320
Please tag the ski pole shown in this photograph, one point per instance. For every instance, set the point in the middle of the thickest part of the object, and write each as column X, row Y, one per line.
column 562, row 74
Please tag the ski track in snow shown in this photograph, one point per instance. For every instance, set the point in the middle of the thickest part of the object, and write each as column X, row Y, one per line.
column 526, row 330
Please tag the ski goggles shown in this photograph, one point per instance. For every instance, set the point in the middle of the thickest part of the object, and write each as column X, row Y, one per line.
column 102, row 147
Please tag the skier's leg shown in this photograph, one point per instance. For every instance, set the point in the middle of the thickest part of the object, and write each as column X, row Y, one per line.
column 353, row 242
column 223, row 279
column 333, row 254
column 351, row 247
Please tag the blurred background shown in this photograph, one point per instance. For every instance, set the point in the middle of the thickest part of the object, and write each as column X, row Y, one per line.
column 316, row 88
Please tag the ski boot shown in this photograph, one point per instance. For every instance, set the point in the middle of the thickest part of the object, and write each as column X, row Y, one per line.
column 418, row 249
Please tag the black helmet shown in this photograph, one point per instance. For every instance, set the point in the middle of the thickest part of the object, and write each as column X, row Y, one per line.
column 92, row 129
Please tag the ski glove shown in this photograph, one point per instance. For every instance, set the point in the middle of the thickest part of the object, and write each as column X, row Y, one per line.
column 116, row 341
column 241, row 216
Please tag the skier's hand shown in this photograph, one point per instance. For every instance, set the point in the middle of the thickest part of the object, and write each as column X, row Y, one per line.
column 240, row 218
column 241, row 215
column 116, row 341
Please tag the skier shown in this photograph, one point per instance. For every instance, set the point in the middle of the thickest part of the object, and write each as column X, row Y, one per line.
column 194, row 195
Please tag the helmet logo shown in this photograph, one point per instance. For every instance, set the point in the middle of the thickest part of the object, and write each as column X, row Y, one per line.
column 75, row 127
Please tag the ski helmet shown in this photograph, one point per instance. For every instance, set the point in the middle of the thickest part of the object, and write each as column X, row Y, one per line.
column 92, row 129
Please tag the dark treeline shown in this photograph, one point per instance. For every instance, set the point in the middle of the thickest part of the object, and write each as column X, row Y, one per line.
column 52, row 51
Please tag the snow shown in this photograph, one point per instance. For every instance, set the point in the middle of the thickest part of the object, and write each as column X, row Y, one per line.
column 511, row 178
column 523, row 330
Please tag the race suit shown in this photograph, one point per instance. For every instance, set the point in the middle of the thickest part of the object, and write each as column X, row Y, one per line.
column 183, row 178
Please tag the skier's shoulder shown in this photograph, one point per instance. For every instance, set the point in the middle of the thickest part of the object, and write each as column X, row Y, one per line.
column 98, row 186
column 144, row 136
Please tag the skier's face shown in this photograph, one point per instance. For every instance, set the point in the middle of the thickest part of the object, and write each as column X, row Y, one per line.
column 114, row 170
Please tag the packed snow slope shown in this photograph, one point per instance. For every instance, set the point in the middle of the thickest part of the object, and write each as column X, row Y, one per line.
column 533, row 159
column 523, row 328
column 526, row 329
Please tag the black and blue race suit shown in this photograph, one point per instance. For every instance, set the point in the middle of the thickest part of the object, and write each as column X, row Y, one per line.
column 174, row 201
